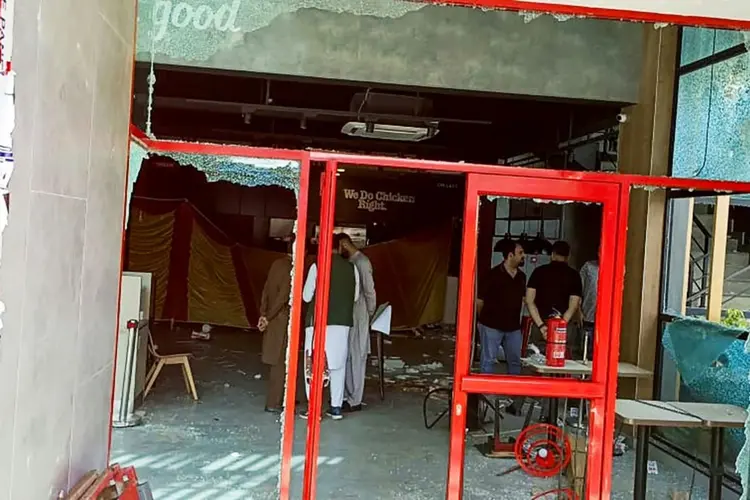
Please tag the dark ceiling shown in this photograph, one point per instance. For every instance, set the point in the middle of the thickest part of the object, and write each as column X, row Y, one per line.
column 292, row 113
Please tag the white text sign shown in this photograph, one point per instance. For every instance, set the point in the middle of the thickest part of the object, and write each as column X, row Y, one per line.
column 378, row 201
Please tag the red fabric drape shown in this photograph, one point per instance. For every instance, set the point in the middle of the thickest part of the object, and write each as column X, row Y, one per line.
column 176, row 305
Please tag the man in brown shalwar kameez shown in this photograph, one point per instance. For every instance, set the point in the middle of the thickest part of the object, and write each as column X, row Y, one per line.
column 274, row 323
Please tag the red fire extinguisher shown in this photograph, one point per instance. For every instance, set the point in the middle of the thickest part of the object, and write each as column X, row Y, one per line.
column 557, row 337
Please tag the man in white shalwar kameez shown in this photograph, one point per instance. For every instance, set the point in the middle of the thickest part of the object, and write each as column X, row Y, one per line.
column 344, row 292
column 359, row 336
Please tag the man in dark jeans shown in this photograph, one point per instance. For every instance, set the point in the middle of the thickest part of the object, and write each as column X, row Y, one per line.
column 499, row 304
column 590, row 279
column 554, row 290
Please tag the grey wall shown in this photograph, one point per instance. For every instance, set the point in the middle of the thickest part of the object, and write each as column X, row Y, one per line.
column 435, row 46
column 61, row 252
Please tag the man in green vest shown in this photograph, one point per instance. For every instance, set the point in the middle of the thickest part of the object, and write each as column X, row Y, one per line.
column 344, row 292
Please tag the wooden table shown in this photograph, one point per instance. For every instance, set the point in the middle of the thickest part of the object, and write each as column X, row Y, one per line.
column 579, row 368
column 643, row 415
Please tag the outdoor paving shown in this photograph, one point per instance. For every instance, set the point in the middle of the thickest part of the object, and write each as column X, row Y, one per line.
column 227, row 448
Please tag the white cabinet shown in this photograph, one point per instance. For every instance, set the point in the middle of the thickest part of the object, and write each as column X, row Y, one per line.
column 135, row 304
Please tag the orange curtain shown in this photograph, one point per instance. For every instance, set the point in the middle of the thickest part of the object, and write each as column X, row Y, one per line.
column 214, row 294
column 225, row 281
column 411, row 274
column 150, row 245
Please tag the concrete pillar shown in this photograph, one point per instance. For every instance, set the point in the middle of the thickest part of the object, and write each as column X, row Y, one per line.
column 718, row 259
column 62, row 250
column 645, row 149
column 676, row 285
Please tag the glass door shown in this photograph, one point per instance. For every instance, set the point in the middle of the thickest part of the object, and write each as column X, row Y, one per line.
column 584, row 447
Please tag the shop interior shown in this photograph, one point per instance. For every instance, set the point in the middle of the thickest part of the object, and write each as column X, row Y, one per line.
column 203, row 231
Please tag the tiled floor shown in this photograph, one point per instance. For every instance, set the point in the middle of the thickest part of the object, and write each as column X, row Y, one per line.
column 226, row 447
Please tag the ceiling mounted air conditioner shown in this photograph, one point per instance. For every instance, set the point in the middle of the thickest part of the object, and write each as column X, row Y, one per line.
column 389, row 132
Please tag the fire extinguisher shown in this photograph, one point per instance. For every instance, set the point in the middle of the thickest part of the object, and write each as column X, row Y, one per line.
column 557, row 337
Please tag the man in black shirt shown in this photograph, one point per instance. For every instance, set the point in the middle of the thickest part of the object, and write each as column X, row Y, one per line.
column 499, row 304
column 554, row 290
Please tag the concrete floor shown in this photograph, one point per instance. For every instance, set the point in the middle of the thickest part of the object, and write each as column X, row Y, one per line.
column 226, row 447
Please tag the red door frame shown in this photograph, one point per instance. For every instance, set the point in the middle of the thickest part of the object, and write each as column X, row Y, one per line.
column 603, row 383
column 602, row 387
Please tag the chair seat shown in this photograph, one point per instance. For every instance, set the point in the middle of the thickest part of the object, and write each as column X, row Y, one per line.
column 174, row 356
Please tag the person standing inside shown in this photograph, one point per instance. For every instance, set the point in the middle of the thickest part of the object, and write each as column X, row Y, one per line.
column 500, row 300
column 359, row 336
column 274, row 324
column 590, row 280
column 344, row 292
column 554, row 290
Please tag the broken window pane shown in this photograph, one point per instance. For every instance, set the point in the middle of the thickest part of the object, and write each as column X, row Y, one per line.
column 698, row 43
column 712, row 132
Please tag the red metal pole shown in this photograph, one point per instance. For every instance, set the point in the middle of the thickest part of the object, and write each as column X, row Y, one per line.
column 322, row 291
column 295, row 326
column 598, row 445
column 614, row 347
column 464, row 325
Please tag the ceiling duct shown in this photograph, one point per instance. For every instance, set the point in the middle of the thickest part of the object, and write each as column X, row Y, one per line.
column 407, row 119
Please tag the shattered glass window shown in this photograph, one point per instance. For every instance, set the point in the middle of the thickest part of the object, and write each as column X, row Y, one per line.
column 713, row 364
column 698, row 43
column 712, row 131
column 710, row 362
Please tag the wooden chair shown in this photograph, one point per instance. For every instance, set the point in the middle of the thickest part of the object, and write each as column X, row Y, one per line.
column 182, row 359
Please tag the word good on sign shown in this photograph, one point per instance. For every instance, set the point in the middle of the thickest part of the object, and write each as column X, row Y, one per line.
column 181, row 15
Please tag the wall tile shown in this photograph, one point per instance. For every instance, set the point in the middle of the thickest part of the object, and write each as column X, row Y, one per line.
column 25, row 44
column 120, row 15
column 14, row 237
column 106, row 188
column 114, row 80
column 44, row 417
column 10, row 344
column 55, row 255
column 50, row 329
column 67, row 69
column 91, row 417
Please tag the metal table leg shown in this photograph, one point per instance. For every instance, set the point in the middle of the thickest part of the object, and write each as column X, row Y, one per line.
column 554, row 405
column 472, row 413
column 717, row 463
column 643, row 434
column 381, row 365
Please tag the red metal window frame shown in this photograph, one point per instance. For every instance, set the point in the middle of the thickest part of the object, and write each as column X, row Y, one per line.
column 601, row 13
column 603, row 385
column 303, row 157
